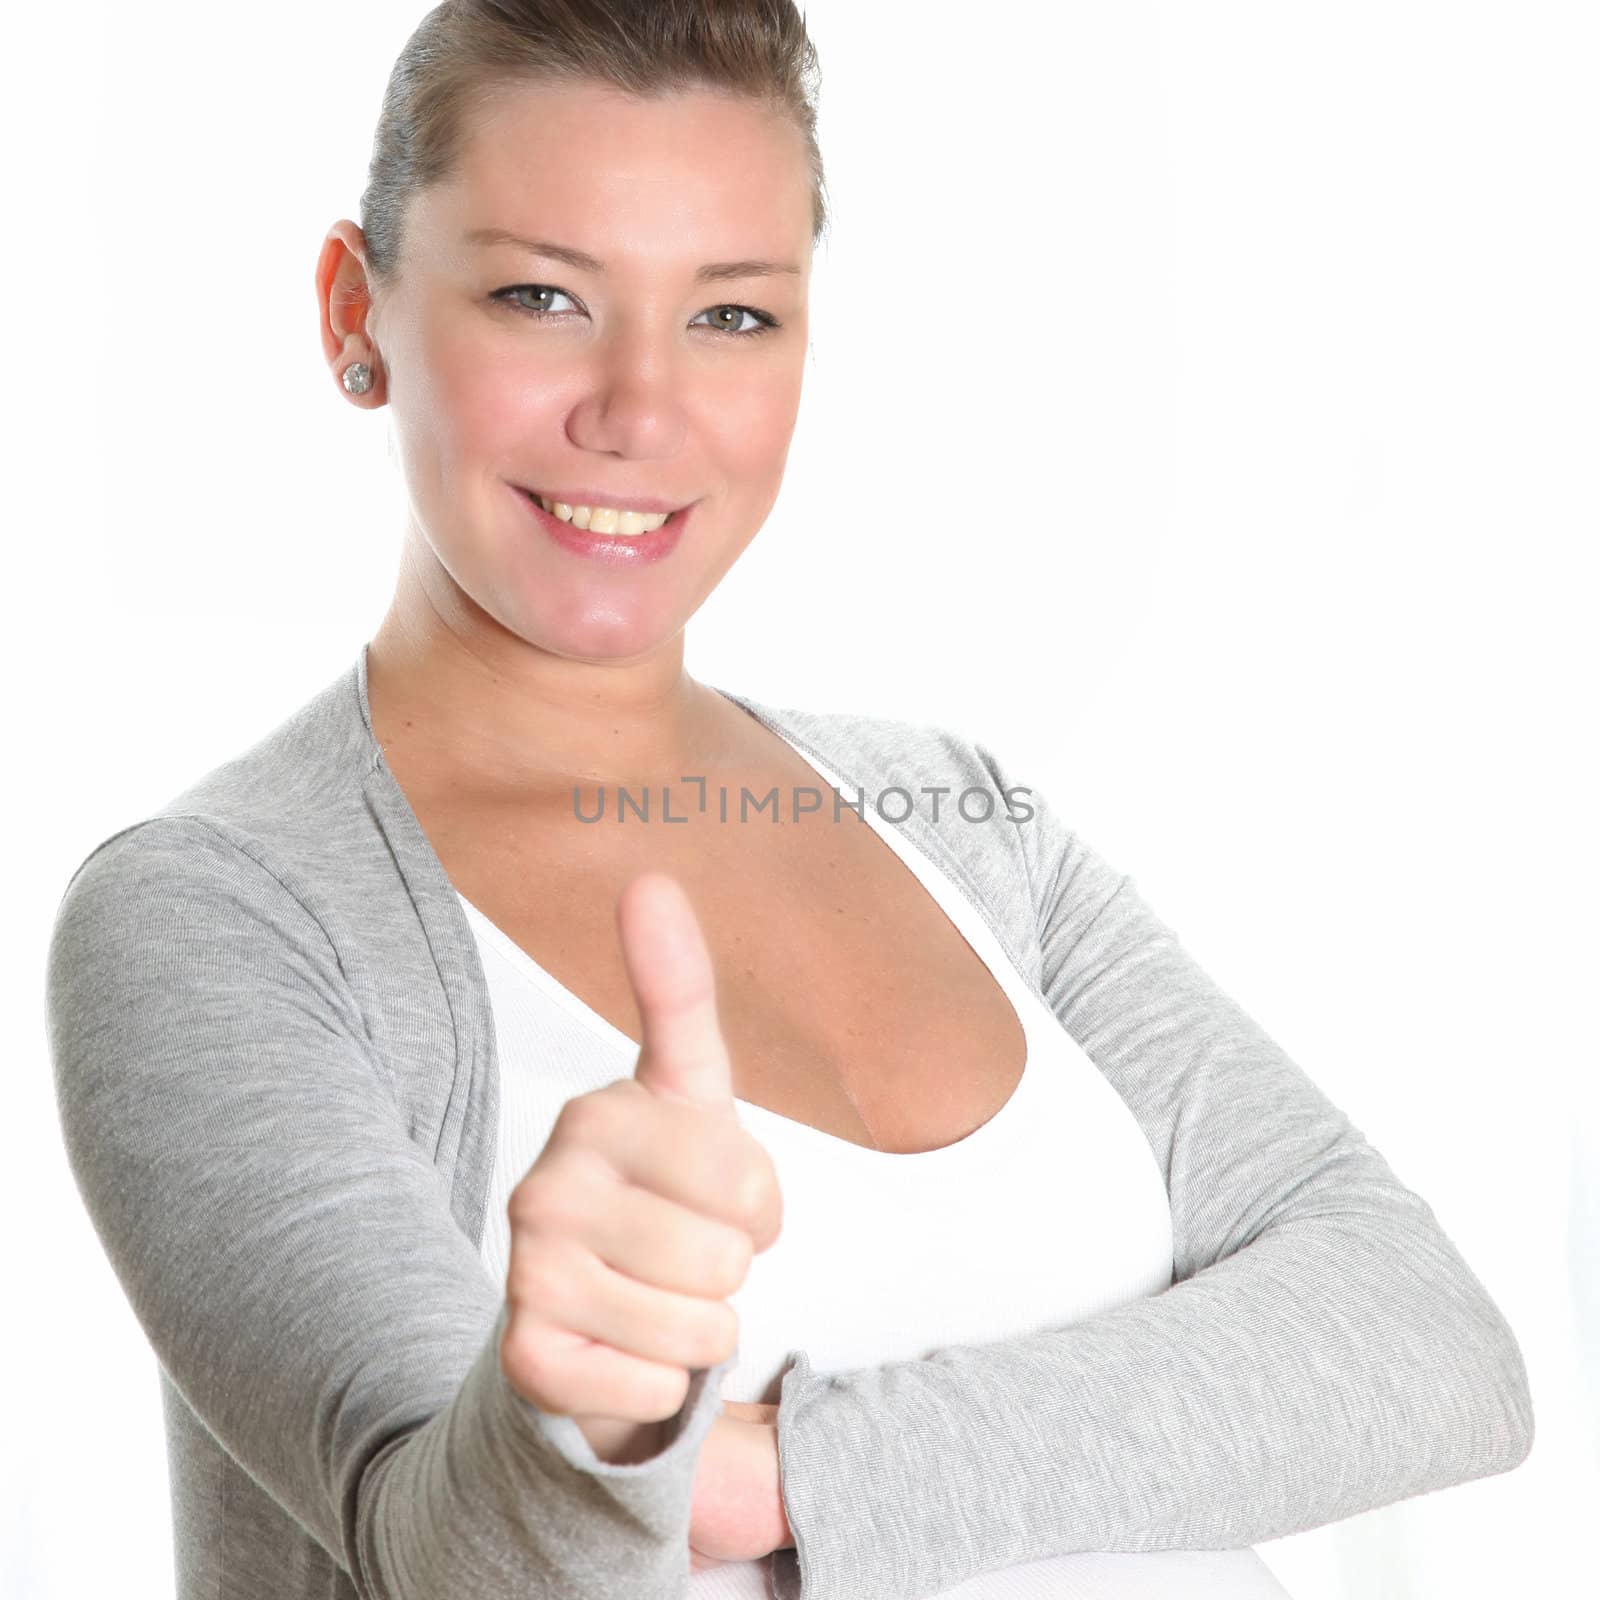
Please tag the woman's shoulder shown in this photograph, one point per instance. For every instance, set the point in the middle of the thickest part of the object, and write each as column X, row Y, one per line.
column 285, row 810
column 941, row 785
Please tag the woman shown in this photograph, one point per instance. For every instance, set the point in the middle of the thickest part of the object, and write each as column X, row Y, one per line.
column 524, row 1206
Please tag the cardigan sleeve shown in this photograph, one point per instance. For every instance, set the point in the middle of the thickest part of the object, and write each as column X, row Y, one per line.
column 289, row 1250
column 1323, row 1349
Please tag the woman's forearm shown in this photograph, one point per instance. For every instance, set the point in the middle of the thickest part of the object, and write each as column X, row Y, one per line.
column 737, row 1513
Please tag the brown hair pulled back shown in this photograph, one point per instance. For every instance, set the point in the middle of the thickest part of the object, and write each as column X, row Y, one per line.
column 463, row 51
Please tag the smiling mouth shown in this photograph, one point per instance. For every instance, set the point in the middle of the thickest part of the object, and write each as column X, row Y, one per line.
column 609, row 520
column 610, row 525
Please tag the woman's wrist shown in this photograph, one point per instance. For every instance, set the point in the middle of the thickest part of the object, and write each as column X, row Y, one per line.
column 620, row 1443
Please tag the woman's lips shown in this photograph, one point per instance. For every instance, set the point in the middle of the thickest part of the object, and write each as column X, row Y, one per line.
column 618, row 550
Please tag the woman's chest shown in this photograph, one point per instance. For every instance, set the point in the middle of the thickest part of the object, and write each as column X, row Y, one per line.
column 848, row 999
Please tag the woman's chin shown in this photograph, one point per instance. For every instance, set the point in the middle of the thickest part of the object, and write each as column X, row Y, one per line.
column 604, row 639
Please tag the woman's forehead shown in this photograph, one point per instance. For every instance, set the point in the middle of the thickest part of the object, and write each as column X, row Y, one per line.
column 539, row 110
column 647, row 176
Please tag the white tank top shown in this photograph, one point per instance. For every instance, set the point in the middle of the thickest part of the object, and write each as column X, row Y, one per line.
column 1053, row 1210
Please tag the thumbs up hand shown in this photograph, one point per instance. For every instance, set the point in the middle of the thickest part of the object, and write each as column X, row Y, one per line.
column 642, row 1214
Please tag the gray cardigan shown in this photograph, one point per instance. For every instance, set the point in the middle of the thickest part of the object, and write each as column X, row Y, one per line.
column 274, row 1063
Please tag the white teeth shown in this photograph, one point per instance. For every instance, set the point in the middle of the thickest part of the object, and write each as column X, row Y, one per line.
column 604, row 519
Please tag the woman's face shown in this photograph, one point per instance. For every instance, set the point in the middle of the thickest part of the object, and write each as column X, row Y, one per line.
column 644, row 380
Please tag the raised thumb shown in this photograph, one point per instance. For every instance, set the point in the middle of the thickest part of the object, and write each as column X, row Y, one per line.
column 682, row 1053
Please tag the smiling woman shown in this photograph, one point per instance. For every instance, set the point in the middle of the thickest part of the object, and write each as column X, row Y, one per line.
column 433, row 1132
column 619, row 386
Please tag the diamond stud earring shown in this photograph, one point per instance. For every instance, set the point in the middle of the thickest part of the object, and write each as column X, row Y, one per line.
column 357, row 378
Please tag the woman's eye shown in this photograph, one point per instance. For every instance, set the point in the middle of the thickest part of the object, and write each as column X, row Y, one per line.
column 726, row 319
column 760, row 318
column 543, row 289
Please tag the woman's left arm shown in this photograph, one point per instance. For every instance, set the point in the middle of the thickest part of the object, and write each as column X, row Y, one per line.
column 1324, row 1349
column 737, row 1510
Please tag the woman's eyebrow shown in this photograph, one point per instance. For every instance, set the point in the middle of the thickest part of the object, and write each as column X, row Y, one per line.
column 712, row 272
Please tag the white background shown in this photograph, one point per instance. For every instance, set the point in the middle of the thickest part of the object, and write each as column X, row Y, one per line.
column 1202, row 412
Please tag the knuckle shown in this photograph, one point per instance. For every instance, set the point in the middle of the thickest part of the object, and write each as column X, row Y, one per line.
column 707, row 1334
column 672, row 1391
column 733, row 1260
column 525, row 1358
column 718, row 1335
column 537, row 1204
column 753, row 1190
column 586, row 1119
column 769, row 1217
column 540, row 1278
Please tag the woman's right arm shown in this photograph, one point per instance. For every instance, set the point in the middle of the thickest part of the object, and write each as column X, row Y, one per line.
column 290, row 1253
